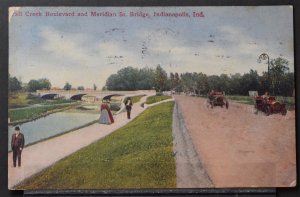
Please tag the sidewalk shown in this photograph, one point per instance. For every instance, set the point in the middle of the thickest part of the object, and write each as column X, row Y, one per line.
column 39, row 156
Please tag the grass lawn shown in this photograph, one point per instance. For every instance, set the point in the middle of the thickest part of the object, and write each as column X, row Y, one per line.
column 58, row 102
column 138, row 155
column 241, row 99
column 155, row 99
column 32, row 113
column 136, row 99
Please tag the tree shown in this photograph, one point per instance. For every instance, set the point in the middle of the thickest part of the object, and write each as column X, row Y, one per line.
column 202, row 83
column 178, row 86
column 44, row 84
column 14, row 84
column 33, row 85
column 131, row 79
column 172, row 81
column 128, row 77
column 80, row 88
column 234, row 84
column 188, row 82
column 278, row 69
column 160, row 79
column 67, row 86
column 40, row 84
column 214, row 83
column 113, row 82
column 145, row 79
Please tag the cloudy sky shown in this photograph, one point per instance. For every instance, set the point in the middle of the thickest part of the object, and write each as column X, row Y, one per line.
column 84, row 50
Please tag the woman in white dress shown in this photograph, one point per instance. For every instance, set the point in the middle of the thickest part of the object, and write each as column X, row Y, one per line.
column 105, row 114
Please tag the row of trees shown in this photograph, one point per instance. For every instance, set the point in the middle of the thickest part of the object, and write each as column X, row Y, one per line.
column 279, row 81
column 68, row 86
column 16, row 85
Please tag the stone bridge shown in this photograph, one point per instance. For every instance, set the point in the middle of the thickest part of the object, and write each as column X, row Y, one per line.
column 78, row 94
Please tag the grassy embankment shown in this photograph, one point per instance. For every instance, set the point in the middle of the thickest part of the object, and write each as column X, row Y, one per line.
column 19, row 114
column 138, row 155
column 155, row 99
column 28, row 114
column 20, row 100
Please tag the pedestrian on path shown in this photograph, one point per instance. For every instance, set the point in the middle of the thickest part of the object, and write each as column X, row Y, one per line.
column 128, row 103
column 105, row 113
column 17, row 145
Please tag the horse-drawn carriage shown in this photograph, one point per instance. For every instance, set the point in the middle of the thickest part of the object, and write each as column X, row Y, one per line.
column 217, row 99
column 269, row 105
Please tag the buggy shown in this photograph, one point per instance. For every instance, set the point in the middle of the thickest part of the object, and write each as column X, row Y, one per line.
column 217, row 99
column 269, row 105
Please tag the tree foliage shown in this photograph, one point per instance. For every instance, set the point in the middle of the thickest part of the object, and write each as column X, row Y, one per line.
column 279, row 80
column 95, row 87
column 14, row 84
column 131, row 79
column 80, row 88
column 67, row 86
column 40, row 84
column 160, row 79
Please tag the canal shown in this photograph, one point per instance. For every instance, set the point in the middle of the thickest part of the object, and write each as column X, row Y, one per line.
column 52, row 125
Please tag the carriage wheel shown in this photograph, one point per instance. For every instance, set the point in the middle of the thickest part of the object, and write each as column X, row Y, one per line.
column 283, row 111
column 211, row 105
column 207, row 103
column 268, row 110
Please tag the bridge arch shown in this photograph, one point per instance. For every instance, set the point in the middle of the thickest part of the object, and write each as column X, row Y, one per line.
column 108, row 97
column 49, row 96
column 77, row 97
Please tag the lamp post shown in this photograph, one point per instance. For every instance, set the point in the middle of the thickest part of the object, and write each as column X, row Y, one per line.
column 265, row 56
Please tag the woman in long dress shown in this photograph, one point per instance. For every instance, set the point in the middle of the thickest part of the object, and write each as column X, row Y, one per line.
column 105, row 114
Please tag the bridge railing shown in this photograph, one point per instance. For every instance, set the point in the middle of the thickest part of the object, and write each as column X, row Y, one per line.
column 98, row 93
column 92, row 91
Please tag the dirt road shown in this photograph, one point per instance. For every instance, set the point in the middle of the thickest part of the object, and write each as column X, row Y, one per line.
column 239, row 148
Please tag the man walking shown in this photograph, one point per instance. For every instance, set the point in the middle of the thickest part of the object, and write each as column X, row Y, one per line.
column 128, row 104
column 17, row 144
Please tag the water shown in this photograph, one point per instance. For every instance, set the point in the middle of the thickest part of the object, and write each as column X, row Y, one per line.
column 51, row 125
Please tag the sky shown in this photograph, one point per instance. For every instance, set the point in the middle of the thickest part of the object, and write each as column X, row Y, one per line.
column 85, row 50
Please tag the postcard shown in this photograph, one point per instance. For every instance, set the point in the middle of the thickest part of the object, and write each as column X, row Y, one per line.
column 151, row 97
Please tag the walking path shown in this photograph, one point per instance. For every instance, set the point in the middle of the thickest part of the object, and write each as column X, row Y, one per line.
column 39, row 156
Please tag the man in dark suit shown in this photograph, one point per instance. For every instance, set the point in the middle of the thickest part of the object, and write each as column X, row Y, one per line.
column 128, row 104
column 17, row 144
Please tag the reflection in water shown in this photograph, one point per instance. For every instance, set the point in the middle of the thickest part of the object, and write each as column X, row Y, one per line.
column 52, row 125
